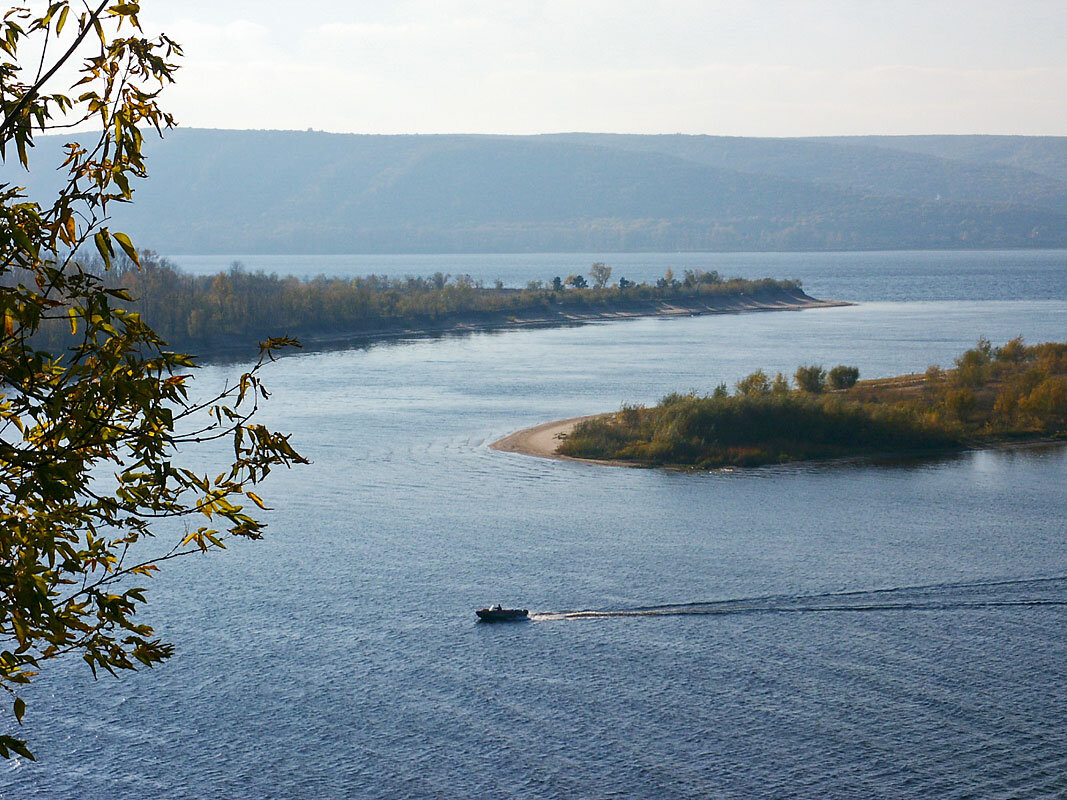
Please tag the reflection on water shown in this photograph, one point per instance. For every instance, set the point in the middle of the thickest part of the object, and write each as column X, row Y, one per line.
column 991, row 458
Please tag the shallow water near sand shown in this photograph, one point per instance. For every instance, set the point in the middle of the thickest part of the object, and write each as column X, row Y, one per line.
column 890, row 629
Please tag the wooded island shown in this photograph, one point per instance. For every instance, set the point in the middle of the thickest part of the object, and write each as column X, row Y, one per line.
column 233, row 311
column 1010, row 393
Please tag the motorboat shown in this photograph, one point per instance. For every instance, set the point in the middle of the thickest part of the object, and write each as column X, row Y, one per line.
column 498, row 614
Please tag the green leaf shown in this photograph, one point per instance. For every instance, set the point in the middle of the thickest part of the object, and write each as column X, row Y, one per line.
column 103, row 246
column 123, row 183
column 23, row 240
column 20, row 709
column 127, row 247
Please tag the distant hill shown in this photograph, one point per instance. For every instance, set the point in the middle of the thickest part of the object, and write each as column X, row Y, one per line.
column 1044, row 155
column 936, row 169
column 214, row 191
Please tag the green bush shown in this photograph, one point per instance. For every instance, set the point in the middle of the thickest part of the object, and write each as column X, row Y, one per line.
column 810, row 379
column 842, row 377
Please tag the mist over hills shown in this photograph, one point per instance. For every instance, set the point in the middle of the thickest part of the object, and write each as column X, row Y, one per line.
column 216, row 191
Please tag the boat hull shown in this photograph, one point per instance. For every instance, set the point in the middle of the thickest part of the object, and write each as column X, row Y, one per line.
column 502, row 614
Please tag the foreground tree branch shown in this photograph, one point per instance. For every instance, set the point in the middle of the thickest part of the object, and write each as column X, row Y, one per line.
column 113, row 398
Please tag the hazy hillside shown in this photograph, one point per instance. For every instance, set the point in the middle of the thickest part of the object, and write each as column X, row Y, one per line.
column 287, row 191
column 1044, row 155
column 865, row 164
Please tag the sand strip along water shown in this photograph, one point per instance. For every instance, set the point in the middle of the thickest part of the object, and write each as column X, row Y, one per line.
column 543, row 440
column 540, row 440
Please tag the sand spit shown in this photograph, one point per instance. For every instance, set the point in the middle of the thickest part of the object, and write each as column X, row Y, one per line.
column 543, row 440
column 540, row 440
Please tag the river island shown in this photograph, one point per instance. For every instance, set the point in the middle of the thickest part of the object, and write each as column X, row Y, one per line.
column 991, row 396
column 235, row 310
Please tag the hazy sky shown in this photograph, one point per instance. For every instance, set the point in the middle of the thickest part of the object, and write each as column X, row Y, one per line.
column 770, row 68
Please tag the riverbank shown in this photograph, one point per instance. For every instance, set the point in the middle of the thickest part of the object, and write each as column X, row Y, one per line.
column 571, row 314
column 224, row 347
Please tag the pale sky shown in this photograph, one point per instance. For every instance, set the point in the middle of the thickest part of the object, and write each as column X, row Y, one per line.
column 769, row 68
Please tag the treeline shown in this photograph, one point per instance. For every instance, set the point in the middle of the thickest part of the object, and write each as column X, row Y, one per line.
column 238, row 308
column 991, row 394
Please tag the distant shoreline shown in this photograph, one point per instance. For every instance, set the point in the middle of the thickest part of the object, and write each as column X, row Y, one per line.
column 547, row 317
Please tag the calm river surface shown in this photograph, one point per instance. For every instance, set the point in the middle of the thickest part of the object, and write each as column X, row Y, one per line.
column 866, row 630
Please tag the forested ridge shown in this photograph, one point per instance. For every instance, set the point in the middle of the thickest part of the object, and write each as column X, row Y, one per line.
column 248, row 192
column 1012, row 392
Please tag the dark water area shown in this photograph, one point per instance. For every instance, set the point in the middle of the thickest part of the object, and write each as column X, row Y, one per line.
column 842, row 630
column 937, row 275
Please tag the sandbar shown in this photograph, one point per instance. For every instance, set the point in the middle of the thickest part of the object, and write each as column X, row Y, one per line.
column 543, row 441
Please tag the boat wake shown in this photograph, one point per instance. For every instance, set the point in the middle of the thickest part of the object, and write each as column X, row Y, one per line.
column 1031, row 592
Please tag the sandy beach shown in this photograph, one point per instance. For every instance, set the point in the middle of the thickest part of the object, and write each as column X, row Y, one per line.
column 542, row 440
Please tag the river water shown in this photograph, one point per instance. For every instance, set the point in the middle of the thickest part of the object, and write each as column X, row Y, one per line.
column 890, row 629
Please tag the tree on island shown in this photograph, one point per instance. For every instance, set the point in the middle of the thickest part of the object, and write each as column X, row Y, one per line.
column 93, row 431
column 842, row 377
column 810, row 379
column 667, row 281
column 755, row 385
column 601, row 274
